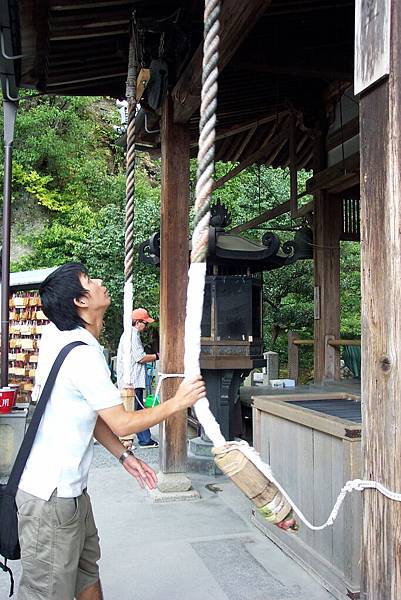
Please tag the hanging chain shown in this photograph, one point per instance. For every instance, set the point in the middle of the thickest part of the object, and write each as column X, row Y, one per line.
column 207, row 130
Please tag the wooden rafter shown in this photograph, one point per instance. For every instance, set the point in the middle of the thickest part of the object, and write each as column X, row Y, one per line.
column 265, row 216
column 236, row 21
column 268, row 152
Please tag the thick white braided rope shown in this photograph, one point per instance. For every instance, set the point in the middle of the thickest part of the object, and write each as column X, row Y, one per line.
column 196, row 283
column 197, row 274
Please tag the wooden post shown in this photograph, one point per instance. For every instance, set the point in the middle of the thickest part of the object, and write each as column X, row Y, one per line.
column 293, row 356
column 332, row 359
column 327, row 223
column 173, row 279
column 380, row 118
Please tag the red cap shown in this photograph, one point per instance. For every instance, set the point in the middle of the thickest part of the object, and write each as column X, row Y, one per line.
column 141, row 314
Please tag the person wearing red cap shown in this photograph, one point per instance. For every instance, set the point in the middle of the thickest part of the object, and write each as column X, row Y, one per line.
column 140, row 320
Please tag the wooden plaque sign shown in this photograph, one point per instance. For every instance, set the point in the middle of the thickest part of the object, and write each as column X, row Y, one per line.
column 372, row 42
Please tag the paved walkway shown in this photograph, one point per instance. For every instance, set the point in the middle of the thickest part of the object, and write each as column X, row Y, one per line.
column 198, row 550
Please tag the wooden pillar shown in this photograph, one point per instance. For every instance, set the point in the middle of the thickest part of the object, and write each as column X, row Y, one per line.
column 173, row 279
column 327, row 223
column 293, row 356
column 380, row 121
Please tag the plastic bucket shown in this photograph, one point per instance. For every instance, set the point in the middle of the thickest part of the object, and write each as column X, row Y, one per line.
column 150, row 401
column 7, row 397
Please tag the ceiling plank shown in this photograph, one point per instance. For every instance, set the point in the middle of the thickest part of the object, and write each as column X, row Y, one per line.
column 236, row 21
column 69, row 5
column 306, row 71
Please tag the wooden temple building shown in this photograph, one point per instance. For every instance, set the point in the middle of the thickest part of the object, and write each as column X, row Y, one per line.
column 304, row 84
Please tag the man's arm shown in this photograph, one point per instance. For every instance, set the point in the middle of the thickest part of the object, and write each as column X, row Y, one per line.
column 104, row 435
column 147, row 359
column 123, row 423
column 135, row 467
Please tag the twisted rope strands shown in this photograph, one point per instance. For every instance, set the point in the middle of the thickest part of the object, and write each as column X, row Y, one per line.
column 130, row 165
column 197, row 270
column 129, row 213
column 207, row 130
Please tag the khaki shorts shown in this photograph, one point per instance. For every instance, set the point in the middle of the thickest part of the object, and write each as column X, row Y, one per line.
column 59, row 546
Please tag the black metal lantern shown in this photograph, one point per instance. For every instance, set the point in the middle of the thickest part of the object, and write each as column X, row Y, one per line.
column 232, row 336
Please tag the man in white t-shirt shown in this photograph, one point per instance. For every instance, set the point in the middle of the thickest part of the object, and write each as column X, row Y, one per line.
column 58, row 535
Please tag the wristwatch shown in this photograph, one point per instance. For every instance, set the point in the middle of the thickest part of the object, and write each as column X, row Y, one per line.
column 125, row 455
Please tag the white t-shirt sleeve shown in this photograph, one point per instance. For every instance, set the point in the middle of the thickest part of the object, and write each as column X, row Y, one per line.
column 90, row 375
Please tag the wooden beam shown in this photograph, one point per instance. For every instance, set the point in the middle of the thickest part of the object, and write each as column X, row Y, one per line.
column 293, row 356
column 237, row 20
column 224, row 132
column 173, row 269
column 68, row 5
column 79, row 34
column 262, row 153
column 244, row 143
column 268, row 215
column 306, row 209
column 328, row 178
column 327, row 231
column 61, row 83
column 380, row 116
column 339, row 136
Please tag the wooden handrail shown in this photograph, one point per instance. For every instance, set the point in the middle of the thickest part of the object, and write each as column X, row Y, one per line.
column 305, row 342
column 344, row 342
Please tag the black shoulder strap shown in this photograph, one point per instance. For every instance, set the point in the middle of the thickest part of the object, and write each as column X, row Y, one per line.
column 30, row 434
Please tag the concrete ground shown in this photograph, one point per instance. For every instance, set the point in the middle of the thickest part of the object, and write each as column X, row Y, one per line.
column 196, row 550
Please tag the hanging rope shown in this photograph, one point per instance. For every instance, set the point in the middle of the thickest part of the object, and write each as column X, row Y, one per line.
column 207, row 131
column 197, row 270
column 196, row 283
column 129, row 211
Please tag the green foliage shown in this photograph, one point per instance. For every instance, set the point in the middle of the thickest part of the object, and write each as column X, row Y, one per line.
column 350, row 285
column 37, row 185
column 66, row 158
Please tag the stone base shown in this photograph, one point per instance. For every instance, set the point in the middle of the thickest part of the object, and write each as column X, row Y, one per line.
column 159, row 497
column 173, row 482
column 173, row 487
column 200, row 457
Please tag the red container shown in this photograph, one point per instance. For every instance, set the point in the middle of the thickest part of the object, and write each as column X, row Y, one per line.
column 15, row 387
column 6, row 400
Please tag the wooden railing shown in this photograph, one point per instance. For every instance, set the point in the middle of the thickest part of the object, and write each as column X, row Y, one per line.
column 294, row 343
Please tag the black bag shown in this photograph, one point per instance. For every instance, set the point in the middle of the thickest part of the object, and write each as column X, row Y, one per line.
column 9, row 543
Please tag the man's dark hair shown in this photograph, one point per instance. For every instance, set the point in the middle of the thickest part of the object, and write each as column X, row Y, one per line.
column 58, row 292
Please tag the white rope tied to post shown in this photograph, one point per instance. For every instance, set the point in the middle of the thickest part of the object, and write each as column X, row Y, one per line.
column 197, row 273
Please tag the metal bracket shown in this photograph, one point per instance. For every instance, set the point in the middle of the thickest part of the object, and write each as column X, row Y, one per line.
column 146, row 125
column 3, row 49
column 10, row 98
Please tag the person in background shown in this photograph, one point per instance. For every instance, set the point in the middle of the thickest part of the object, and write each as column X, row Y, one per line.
column 139, row 358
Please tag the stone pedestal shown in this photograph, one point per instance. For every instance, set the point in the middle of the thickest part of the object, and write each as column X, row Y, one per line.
column 173, row 487
column 272, row 365
column 200, row 457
